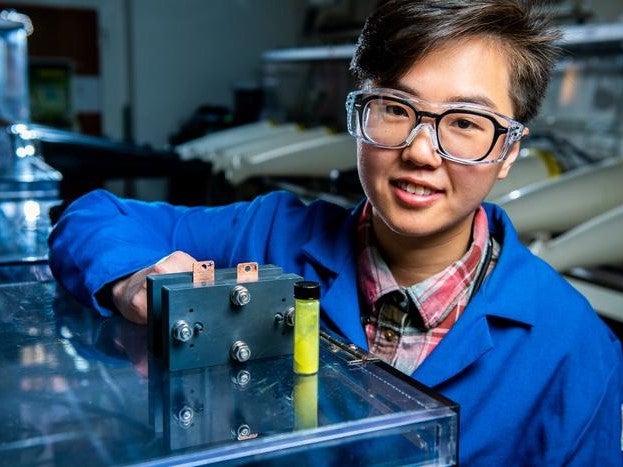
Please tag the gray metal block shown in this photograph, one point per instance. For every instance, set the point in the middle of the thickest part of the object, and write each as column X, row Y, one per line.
column 206, row 324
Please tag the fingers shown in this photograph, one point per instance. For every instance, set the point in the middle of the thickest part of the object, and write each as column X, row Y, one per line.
column 130, row 294
column 137, row 310
column 177, row 261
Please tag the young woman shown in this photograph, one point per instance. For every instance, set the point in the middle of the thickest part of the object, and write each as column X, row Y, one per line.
column 421, row 273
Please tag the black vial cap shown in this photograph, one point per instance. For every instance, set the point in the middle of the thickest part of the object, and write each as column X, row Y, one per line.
column 307, row 290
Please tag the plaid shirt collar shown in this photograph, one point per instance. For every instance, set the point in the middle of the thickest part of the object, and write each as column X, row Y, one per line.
column 434, row 297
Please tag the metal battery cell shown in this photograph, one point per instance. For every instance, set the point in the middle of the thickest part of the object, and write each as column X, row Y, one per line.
column 227, row 316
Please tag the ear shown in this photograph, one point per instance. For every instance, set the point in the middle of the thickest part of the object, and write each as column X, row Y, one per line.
column 509, row 161
column 511, row 158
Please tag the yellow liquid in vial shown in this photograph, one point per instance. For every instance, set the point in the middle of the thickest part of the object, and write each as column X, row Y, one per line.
column 305, row 401
column 306, row 336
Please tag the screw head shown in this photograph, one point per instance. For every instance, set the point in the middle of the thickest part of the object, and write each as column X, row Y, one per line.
column 185, row 416
column 242, row 378
column 243, row 431
column 240, row 295
column 240, row 351
column 182, row 331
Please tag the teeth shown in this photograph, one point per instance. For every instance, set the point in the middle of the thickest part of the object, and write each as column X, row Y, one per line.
column 415, row 189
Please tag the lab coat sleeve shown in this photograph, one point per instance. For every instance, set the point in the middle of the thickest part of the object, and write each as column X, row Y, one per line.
column 100, row 238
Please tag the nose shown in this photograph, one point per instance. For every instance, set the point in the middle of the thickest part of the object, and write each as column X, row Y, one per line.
column 422, row 147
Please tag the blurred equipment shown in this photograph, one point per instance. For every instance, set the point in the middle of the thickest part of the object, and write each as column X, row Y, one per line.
column 299, row 142
column 87, row 162
column 598, row 241
column 552, row 206
column 205, row 119
column 581, row 118
column 30, row 189
column 14, row 98
column 331, row 21
column 573, row 220
column 256, row 157
column 532, row 165
column 28, row 186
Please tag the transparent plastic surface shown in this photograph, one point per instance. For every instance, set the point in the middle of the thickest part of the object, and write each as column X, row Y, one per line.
column 79, row 388
column 24, row 229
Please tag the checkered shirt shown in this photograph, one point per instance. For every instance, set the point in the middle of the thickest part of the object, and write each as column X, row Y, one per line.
column 403, row 325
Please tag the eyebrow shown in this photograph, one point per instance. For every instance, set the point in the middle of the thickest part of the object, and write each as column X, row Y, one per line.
column 470, row 99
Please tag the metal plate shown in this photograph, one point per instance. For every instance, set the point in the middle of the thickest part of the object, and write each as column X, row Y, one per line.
column 196, row 325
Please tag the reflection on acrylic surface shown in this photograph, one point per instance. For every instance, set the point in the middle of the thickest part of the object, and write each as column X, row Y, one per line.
column 78, row 387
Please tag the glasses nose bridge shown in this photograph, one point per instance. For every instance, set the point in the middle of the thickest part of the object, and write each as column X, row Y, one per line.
column 421, row 114
column 419, row 126
column 432, row 124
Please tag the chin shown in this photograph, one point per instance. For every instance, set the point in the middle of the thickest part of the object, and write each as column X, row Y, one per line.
column 404, row 228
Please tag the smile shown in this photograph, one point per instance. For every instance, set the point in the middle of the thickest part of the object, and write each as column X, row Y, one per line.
column 414, row 189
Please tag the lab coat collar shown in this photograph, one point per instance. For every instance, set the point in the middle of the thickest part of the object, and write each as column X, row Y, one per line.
column 502, row 290
column 470, row 337
column 332, row 245
column 340, row 300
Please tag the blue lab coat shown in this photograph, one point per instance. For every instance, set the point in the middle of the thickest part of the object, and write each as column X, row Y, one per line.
column 536, row 372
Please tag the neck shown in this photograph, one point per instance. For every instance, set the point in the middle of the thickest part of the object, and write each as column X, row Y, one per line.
column 414, row 259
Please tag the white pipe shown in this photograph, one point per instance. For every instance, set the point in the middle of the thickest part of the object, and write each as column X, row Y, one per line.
column 206, row 146
column 312, row 157
column 556, row 205
column 234, row 155
column 598, row 241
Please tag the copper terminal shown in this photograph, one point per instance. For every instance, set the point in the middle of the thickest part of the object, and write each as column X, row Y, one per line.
column 247, row 272
column 203, row 272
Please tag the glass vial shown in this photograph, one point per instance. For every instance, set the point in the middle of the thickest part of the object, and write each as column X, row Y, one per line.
column 306, row 327
column 305, row 397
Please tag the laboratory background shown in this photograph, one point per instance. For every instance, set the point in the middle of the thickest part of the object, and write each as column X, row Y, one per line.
column 206, row 102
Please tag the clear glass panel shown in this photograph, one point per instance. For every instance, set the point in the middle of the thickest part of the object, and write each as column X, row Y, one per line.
column 81, row 389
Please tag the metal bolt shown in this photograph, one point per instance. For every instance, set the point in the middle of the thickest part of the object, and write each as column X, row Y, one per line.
column 243, row 431
column 240, row 351
column 182, row 331
column 242, row 379
column 198, row 328
column 240, row 295
column 279, row 318
column 185, row 416
column 290, row 316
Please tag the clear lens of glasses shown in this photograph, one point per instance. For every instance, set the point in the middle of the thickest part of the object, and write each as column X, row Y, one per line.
column 461, row 133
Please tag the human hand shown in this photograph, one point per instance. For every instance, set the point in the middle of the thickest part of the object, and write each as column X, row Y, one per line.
column 129, row 295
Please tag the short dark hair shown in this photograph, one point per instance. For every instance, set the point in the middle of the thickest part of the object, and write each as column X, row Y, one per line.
column 400, row 32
